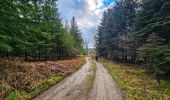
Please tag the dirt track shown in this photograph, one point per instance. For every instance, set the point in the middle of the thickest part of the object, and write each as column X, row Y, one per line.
column 72, row 88
column 104, row 88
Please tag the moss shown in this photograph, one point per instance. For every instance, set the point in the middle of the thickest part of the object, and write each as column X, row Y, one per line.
column 88, row 82
column 41, row 86
column 14, row 95
column 90, row 78
column 45, row 84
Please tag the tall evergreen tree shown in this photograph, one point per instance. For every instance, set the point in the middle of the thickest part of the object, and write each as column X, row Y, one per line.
column 127, row 27
column 34, row 28
column 154, row 18
column 116, row 29
column 76, row 34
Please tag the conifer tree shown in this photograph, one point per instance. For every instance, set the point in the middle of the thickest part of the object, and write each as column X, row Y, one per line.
column 76, row 34
column 34, row 28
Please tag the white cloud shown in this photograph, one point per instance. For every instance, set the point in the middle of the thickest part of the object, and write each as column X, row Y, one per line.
column 88, row 14
column 95, row 4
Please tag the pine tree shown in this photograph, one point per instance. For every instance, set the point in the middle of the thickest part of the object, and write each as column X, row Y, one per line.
column 34, row 28
column 156, row 55
column 76, row 34
column 153, row 16
column 115, row 33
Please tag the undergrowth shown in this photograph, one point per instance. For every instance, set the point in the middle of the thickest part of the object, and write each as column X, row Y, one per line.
column 22, row 80
column 41, row 86
column 136, row 84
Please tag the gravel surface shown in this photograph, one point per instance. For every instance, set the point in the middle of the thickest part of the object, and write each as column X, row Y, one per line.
column 71, row 88
column 104, row 88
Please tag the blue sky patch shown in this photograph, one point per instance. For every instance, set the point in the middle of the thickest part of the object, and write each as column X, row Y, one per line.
column 88, row 14
column 108, row 2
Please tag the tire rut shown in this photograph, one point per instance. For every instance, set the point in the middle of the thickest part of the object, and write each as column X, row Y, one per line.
column 68, row 88
column 104, row 87
column 71, row 88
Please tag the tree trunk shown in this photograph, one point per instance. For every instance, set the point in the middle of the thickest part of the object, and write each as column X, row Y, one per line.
column 46, row 56
column 35, row 57
column 39, row 55
column 26, row 58
column 52, row 54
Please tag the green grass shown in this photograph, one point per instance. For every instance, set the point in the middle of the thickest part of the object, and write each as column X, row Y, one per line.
column 87, row 84
column 45, row 84
column 90, row 78
column 41, row 86
column 14, row 95
column 135, row 83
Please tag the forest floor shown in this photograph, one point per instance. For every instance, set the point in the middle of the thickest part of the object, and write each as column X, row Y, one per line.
column 23, row 80
column 135, row 83
column 80, row 85
column 69, row 80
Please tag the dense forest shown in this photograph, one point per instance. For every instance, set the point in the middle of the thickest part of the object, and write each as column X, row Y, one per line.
column 35, row 44
column 40, row 53
column 33, row 29
column 137, row 31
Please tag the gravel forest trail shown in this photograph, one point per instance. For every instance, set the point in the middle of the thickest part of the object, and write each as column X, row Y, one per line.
column 74, row 88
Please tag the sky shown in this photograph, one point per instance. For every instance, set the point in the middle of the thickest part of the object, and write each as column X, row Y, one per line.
column 88, row 14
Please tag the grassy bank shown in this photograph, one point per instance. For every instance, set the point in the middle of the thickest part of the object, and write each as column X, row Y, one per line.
column 136, row 84
column 24, row 80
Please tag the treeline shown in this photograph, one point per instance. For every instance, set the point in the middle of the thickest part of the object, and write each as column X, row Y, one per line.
column 34, row 29
column 137, row 31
